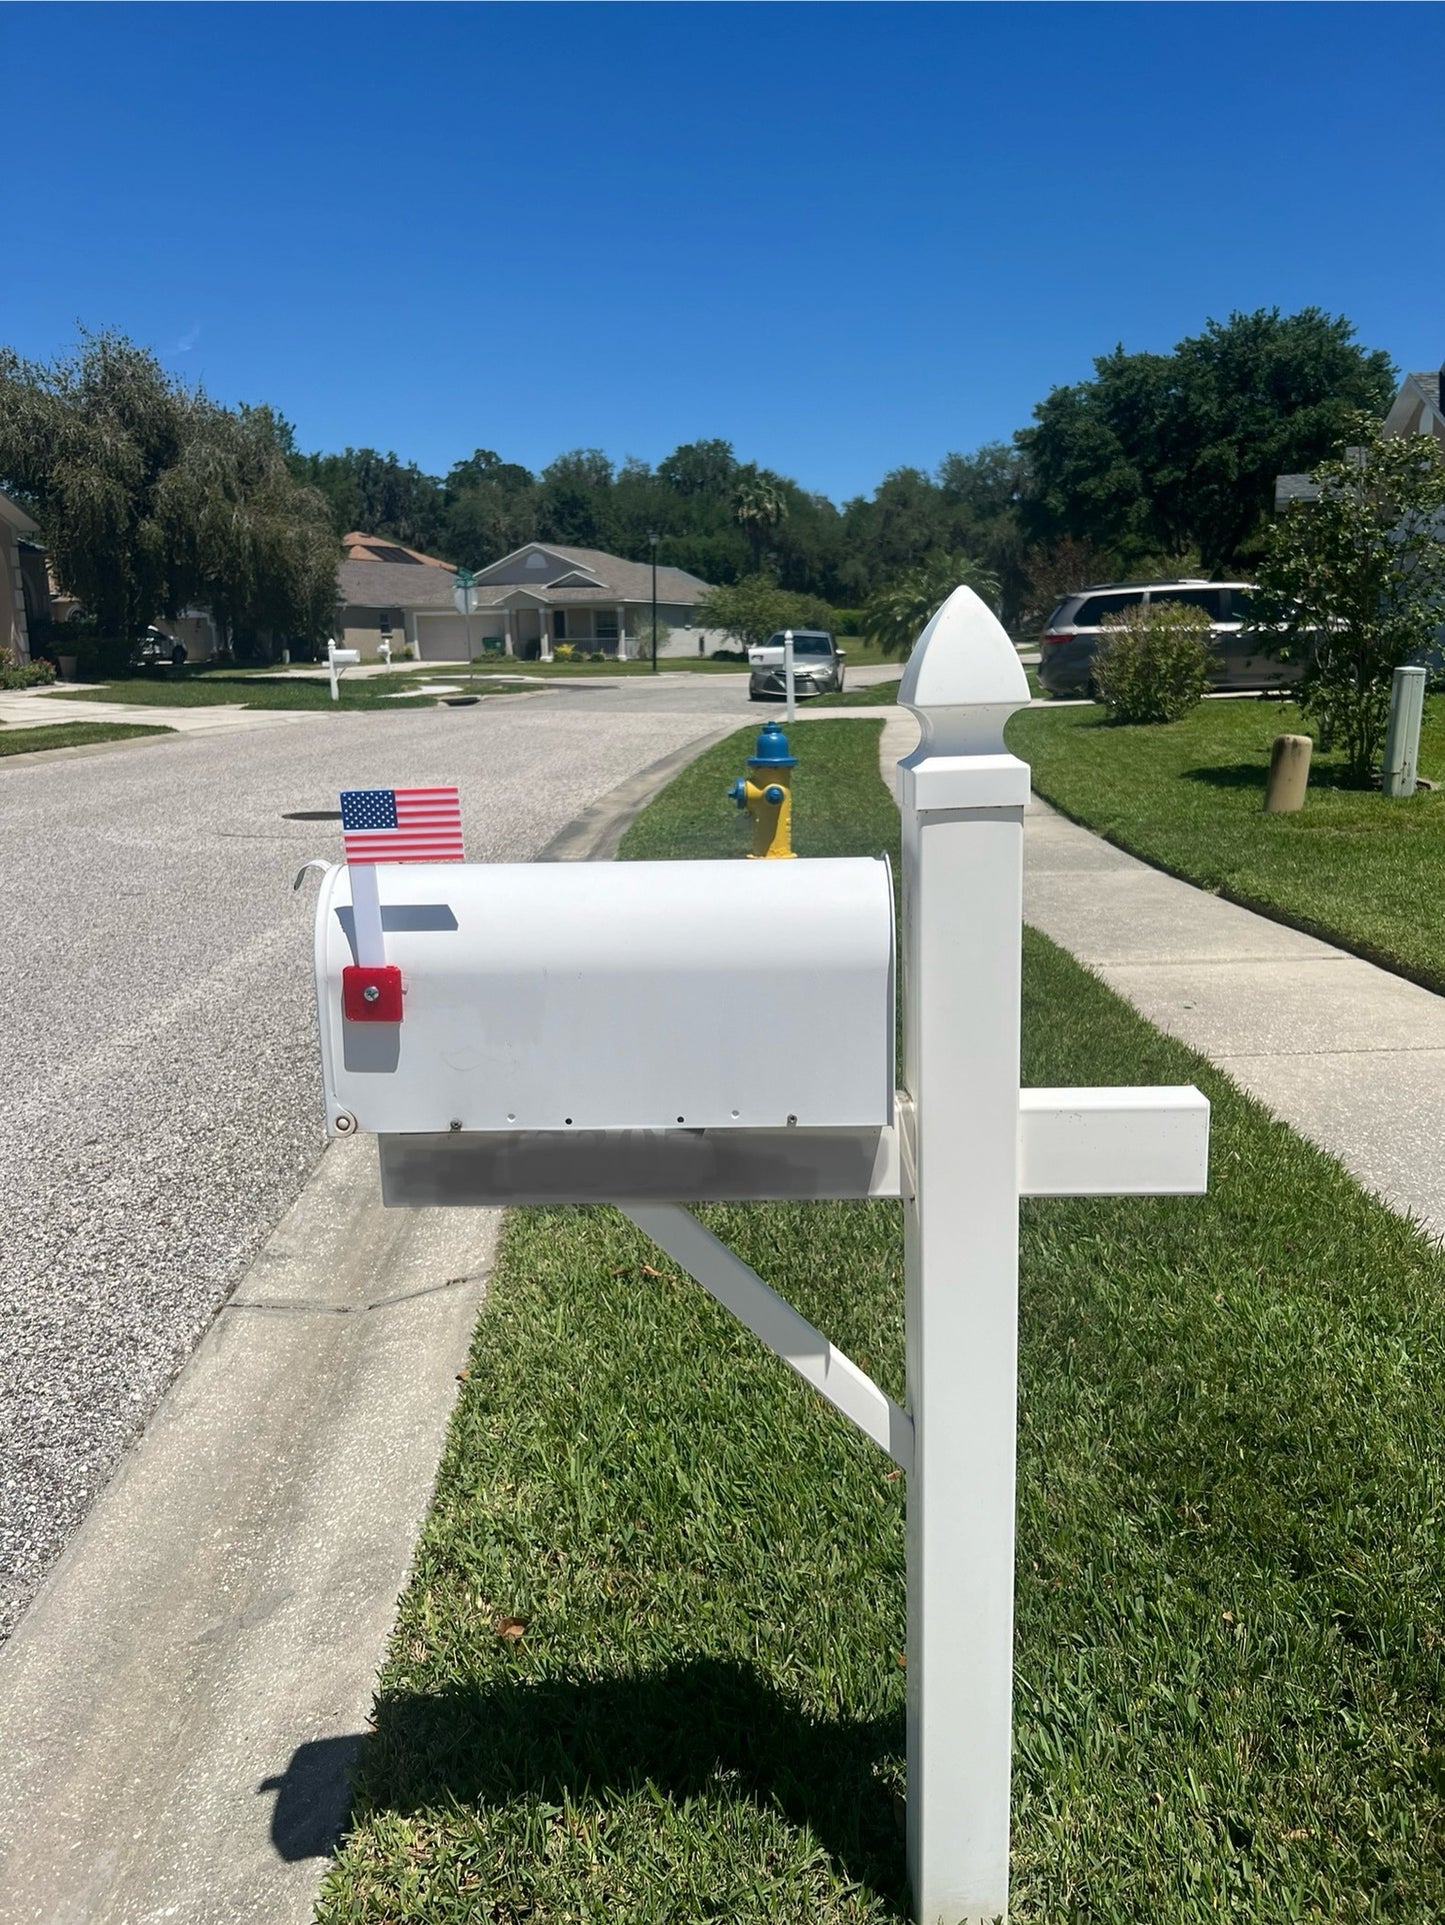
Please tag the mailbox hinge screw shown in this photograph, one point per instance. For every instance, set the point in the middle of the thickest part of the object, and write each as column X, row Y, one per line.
column 371, row 994
column 455, row 1124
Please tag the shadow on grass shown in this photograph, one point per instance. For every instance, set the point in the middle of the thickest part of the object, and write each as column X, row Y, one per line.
column 697, row 1728
column 1251, row 775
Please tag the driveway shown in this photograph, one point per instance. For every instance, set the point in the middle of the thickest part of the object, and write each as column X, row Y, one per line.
column 159, row 1062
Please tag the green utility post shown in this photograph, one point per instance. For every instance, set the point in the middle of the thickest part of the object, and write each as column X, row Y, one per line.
column 464, row 594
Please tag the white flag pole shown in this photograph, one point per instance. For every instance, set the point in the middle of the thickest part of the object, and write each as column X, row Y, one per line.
column 788, row 673
column 366, row 915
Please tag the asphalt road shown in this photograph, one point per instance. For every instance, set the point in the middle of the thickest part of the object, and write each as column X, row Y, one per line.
column 161, row 1085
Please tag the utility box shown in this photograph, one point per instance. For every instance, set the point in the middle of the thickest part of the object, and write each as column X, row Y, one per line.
column 653, row 996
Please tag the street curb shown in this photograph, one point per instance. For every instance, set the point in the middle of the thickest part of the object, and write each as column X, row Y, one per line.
column 596, row 834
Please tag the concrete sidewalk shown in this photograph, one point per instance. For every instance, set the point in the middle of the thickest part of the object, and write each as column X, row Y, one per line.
column 1350, row 1056
column 181, row 1703
column 42, row 708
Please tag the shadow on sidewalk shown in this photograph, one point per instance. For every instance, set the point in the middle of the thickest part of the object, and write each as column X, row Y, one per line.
column 313, row 1796
column 694, row 1729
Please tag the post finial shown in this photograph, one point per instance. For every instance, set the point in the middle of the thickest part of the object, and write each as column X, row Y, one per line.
column 964, row 679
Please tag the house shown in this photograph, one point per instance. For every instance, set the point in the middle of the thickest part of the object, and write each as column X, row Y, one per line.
column 1416, row 409
column 381, row 590
column 526, row 603
column 15, row 527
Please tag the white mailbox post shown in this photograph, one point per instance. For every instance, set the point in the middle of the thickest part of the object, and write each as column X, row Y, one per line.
column 509, row 1076
column 338, row 660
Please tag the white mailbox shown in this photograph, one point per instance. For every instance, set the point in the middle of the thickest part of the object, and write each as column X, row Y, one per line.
column 648, row 1033
column 734, row 996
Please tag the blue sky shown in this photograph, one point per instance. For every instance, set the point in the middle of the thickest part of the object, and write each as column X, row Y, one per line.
column 843, row 237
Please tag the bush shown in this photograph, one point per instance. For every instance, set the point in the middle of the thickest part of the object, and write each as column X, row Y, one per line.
column 17, row 674
column 102, row 659
column 564, row 652
column 1153, row 662
column 728, row 655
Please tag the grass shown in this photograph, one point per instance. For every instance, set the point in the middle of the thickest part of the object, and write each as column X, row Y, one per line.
column 649, row 1668
column 72, row 735
column 1349, row 866
column 858, row 697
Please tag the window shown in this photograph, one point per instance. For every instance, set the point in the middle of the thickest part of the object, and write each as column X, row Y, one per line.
column 535, row 560
column 1098, row 608
column 559, row 624
column 1211, row 600
column 604, row 624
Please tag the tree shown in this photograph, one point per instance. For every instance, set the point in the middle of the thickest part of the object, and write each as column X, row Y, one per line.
column 707, row 468
column 758, row 506
column 896, row 615
column 1178, row 452
column 151, row 496
column 1355, row 581
column 241, row 538
column 575, row 505
column 750, row 610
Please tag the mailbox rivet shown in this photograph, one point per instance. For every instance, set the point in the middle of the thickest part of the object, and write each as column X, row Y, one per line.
column 344, row 1123
column 455, row 1124
column 371, row 993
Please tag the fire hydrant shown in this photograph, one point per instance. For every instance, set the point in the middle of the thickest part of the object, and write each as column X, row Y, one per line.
column 767, row 795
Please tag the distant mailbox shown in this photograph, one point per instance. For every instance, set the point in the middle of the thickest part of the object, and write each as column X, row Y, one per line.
column 618, row 996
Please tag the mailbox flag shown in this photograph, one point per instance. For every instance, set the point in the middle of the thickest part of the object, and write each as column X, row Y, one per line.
column 401, row 825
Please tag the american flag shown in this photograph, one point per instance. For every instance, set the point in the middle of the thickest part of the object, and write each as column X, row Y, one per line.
column 401, row 825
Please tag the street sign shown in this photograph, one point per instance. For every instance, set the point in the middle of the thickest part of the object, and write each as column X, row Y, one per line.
column 464, row 592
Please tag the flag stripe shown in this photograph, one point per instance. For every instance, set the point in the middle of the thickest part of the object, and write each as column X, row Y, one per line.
column 403, row 825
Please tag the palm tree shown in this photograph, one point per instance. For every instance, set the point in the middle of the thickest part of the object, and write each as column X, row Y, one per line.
column 759, row 504
column 896, row 616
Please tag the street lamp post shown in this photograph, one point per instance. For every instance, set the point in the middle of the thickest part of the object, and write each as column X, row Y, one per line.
column 654, row 538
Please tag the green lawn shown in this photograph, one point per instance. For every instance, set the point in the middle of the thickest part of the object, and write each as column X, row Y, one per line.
column 72, row 735
column 855, row 696
column 649, row 1665
column 1351, row 866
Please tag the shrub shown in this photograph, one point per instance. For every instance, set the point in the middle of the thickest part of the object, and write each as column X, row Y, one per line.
column 17, row 674
column 641, row 637
column 1153, row 662
column 564, row 652
column 102, row 658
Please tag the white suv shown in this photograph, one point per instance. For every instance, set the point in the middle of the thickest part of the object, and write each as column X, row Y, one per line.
column 1066, row 654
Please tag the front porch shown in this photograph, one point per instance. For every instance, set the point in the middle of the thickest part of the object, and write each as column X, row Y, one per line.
column 530, row 630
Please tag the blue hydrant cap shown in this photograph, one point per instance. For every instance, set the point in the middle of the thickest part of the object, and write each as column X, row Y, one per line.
column 772, row 750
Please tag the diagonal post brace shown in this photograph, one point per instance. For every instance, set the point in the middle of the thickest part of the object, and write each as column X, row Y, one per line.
column 725, row 1276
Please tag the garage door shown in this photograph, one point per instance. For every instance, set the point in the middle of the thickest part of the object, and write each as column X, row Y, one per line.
column 441, row 638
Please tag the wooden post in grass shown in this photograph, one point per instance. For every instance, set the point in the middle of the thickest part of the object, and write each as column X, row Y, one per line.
column 1289, row 774
column 963, row 799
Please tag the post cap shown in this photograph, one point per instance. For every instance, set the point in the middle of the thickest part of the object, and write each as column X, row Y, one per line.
column 964, row 679
column 772, row 749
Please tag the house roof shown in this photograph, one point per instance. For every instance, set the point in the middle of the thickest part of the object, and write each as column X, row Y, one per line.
column 363, row 583
column 1417, row 407
column 360, row 547
column 629, row 581
column 12, row 512
column 392, row 584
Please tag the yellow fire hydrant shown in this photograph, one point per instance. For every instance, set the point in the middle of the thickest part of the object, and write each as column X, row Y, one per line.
column 767, row 793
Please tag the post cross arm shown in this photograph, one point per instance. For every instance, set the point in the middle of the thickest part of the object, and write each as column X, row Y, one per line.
column 1113, row 1142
